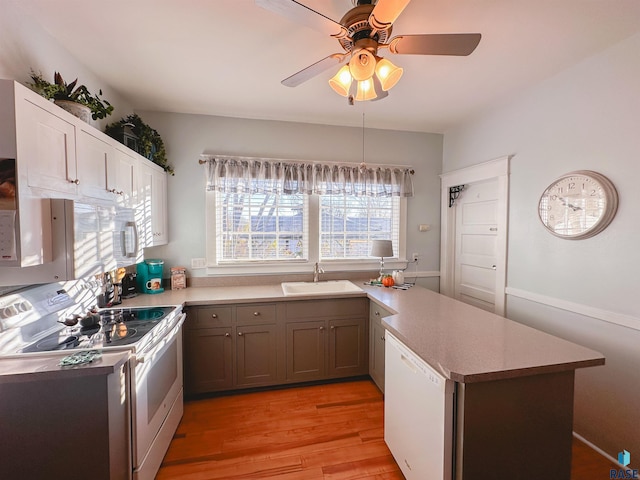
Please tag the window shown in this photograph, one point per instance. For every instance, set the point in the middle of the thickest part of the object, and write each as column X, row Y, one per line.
column 258, row 226
column 262, row 227
column 270, row 216
column 348, row 224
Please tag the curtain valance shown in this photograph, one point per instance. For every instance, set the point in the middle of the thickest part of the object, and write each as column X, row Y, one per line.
column 262, row 175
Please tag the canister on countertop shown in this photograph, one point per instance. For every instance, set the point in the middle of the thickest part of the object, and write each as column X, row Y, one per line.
column 178, row 278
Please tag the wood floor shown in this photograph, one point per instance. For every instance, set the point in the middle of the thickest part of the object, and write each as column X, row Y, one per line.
column 332, row 431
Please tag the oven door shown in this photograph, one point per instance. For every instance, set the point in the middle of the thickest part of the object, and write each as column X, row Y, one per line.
column 157, row 405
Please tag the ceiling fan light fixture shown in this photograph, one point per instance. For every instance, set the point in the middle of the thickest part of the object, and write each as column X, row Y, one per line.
column 341, row 81
column 388, row 73
column 362, row 65
column 366, row 90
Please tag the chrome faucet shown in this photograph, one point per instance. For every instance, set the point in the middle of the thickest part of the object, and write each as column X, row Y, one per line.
column 317, row 270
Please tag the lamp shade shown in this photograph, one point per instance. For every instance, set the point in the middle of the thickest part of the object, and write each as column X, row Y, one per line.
column 388, row 73
column 366, row 90
column 381, row 248
column 341, row 81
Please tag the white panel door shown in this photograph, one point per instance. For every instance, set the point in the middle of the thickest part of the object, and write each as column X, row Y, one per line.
column 476, row 245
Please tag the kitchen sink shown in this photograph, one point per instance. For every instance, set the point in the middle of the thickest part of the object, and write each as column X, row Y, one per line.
column 319, row 288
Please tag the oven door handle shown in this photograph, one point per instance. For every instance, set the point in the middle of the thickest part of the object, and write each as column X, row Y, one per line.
column 164, row 339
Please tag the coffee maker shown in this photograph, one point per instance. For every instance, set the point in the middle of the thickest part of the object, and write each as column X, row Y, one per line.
column 129, row 285
column 150, row 276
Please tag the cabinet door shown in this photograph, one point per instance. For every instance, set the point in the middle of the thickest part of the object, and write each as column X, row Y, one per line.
column 348, row 347
column 376, row 353
column 377, row 343
column 49, row 145
column 208, row 360
column 159, row 208
column 93, row 155
column 152, row 203
column 122, row 177
column 256, row 355
column 305, row 351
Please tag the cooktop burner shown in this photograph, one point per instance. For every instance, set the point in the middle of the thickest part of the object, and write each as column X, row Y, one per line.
column 117, row 327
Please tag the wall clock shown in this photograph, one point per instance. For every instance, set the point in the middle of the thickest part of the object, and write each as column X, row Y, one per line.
column 578, row 205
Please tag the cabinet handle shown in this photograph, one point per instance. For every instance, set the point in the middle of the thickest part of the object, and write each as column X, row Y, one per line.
column 227, row 334
column 382, row 338
column 377, row 313
column 322, row 329
column 214, row 315
column 76, row 181
column 113, row 190
column 240, row 334
column 120, row 192
column 255, row 314
column 333, row 327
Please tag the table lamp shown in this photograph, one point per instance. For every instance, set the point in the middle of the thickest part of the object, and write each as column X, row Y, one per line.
column 381, row 248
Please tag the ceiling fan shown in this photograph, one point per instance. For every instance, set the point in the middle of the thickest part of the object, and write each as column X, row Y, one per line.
column 362, row 31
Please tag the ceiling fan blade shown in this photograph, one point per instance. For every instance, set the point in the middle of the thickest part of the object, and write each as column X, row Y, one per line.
column 299, row 13
column 461, row 44
column 386, row 12
column 315, row 69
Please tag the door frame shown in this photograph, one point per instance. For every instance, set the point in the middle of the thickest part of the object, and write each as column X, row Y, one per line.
column 499, row 169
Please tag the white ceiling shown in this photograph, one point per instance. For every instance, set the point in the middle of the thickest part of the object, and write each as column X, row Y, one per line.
column 227, row 57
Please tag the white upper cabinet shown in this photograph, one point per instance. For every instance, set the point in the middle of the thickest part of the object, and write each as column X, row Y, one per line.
column 49, row 143
column 106, row 172
column 59, row 156
column 93, row 155
column 152, row 203
column 122, row 176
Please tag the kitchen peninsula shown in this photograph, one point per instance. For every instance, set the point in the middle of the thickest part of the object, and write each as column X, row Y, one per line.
column 513, row 384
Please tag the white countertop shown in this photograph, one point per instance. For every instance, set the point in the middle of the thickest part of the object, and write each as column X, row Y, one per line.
column 463, row 342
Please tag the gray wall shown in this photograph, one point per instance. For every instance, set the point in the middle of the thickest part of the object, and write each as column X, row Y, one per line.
column 587, row 117
column 187, row 136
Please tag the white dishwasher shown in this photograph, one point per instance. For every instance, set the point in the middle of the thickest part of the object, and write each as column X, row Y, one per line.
column 418, row 414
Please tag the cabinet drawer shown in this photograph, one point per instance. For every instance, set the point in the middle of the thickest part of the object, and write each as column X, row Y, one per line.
column 376, row 312
column 209, row 317
column 258, row 313
column 335, row 307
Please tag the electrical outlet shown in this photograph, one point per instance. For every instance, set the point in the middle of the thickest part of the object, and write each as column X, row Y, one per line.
column 198, row 263
column 415, row 257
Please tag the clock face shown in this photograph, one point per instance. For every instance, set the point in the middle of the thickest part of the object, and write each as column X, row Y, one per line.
column 578, row 205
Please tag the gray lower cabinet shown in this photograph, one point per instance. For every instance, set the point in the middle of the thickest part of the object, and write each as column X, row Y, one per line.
column 305, row 345
column 230, row 347
column 208, row 359
column 377, row 344
column 326, row 339
column 256, row 355
column 250, row 345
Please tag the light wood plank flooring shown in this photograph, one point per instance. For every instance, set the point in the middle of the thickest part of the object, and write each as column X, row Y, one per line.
column 332, row 431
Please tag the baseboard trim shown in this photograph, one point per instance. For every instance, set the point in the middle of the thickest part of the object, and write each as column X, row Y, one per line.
column 597, row 449
column 586, row 310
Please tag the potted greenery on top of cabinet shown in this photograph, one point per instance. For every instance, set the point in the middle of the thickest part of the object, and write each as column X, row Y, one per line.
column 133, row 132
column 76, row 99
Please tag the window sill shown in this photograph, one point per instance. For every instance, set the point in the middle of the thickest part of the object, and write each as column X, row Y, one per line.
column 333, row 266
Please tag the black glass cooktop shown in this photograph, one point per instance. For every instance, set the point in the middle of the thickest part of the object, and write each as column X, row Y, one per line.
column 117, row 327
